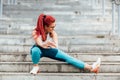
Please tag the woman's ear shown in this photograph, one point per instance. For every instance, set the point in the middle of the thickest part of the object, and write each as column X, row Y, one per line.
column 45, row 26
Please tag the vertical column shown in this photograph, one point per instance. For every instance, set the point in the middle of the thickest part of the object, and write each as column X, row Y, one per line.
column 9, row 2
column 93, row 3
column 15, row 2
column 97, row 2
column 89, row 2
column 12, row 2
column 103, row 8
column 1, row 8
column 113, row 18
column 119, row 20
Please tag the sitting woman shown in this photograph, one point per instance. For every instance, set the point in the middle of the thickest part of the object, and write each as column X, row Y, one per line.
column 46, row 45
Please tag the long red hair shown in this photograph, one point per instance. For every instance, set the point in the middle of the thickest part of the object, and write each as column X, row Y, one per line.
column 42, row 21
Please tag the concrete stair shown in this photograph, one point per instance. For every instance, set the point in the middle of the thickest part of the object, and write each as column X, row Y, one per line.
column 56, row 67
column 24, row 61
column 60, row 76
column 23, row 27
column 83, row 33
column 55, row 8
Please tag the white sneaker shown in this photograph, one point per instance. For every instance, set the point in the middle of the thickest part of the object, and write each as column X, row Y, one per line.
column 96, row 65
column 35, row 70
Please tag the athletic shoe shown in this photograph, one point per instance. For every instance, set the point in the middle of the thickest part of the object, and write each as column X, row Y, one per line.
column 96, row 66
column 35, row 70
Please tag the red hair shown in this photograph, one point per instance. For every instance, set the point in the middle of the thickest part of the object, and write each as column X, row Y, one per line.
column 42, row 21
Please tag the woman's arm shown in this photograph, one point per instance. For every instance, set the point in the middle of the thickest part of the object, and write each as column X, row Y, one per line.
column 46, row 44
column 55, row 38
column 38, row 40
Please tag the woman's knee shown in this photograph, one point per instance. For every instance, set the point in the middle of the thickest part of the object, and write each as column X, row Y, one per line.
column 63, row 55
column 35, row 55
column 35, row 50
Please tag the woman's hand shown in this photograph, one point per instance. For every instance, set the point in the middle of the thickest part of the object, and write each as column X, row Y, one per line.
column 49, row 44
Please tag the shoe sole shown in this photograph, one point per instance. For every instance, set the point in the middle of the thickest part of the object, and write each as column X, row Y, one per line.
column 36, row 73
column 96, row 70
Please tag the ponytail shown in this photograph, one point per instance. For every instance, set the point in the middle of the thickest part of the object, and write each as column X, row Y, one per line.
column 42, row 21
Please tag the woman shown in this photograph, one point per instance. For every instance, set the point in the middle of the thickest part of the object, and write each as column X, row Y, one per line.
column 46, row 45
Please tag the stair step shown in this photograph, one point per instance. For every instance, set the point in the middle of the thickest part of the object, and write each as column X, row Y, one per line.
column 21, row 57
column 106, row 67
column 60, row 18
column 39, row 5
column 70, row 28
column 16, row 41
column 24, row 14
column 69, row 48
column 63, row 40
column 60, row 76
column 55, row 7
column 46, row 7
column 61, row 32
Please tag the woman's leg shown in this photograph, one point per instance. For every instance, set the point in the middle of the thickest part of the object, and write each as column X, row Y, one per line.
column 35, row 55
column 78, row 63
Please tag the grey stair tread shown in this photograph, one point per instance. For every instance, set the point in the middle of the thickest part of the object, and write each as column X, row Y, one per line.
column 72, row 48
column 59, row 76
column 59, row 18
column 69, row 48
column 64, row 36
column 63, row 40
column 55, row 67
column 56, row 5
column 19, row 57
column 60, row 62
column 80, row 56
column 62, row 33
column 35, row 14
column 62, row 27
column 45, row 7
column 96, row 36
column 73, row 53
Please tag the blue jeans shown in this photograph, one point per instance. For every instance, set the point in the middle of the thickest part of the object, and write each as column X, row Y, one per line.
column 54, row 53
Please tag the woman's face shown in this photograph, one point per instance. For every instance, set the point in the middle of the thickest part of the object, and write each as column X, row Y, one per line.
column 50, row 28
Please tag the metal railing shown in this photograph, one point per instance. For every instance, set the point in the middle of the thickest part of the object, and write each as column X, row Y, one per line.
column 103, row 8
column 9, row 2
column 13, row 2
column 1, row 8
column 95, row 3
